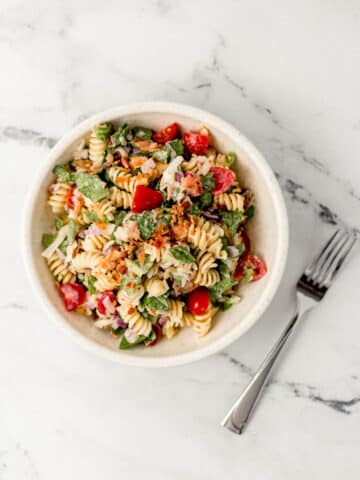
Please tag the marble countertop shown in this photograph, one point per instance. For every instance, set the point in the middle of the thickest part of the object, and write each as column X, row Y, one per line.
column 287, row 75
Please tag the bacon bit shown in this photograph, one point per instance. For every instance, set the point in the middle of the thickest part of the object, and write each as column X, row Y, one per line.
column 124, row 162
column 141, row 257
column 161, row 230
column 83, row 165
column 121, row 268
column 177, row 209
column 101, row 225
column 137, row 162
column 180, row 230
column 192, row 184
column 159, row 241
column 146, row 145
column 185, row 205
column 131, row 310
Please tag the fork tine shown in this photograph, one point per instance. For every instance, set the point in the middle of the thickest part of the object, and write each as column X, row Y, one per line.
column 311, row 269
column 337, row 262
column 332, row 253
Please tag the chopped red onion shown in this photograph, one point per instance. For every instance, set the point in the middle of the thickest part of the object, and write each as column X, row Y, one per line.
column 179, row 177
column 163, row 320
column 210, row 216
column 119, row 322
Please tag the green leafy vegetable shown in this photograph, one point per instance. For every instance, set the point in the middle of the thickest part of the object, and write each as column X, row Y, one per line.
column 119, row 217
column 232, row 220
column 91, row 186
column 250, row 211
column 182, row 255
column 226, row 282
column 231, row 157
column 206, row 199
column 117, row 331
column 142, row 133
column 194, row 210
column 175, row 146
column 157, row 303
column 227, row 302
column 161, row 155
column 91, row 284
column 147, row 224
column 103, row 130
column 150, row 338
column 125, row 345
column 121, row 136
column 241, row 248
column 58, row 222
column 72, row 230
column 248, row 276
column 91, row 216
column 64, row 246
column 135, row 267
column 63, row 174
column 208, row 182
column 47, row 239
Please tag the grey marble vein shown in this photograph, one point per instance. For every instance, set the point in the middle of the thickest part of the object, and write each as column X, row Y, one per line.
column 13, row 306
column 26, row 136
column 300, row 390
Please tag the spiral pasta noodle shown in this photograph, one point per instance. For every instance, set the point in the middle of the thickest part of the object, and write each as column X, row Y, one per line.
column 119, row 198
column 104, row 209
column 137, row 323
column 209, row 278
column 202, row 323
column 87, row 261
column 125, row 180
column 95, row 243
column 97, row 148
column 58, row 197
column 58, row 268
column 107, row 281
column 232, row 201
column 155, row 287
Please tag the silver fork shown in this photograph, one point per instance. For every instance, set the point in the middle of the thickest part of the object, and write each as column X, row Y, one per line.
column 310, row 289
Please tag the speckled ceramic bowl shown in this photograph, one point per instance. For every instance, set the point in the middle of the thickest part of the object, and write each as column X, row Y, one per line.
column 268, row 232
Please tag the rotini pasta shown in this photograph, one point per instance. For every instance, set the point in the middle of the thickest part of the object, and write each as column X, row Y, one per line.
column 149, row 235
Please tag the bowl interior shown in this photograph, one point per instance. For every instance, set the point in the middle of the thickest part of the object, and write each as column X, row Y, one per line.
column 267, row 230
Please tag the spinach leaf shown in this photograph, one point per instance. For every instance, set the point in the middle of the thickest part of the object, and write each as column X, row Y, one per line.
column 208, row 182
column 232, row 220
column 142, row 133
column 248, row 276
column 119, row 217
column 91, row 216
column 182, row 255
column 125, row 345
column 241, row 248
column 175, row 146
column 103, row 130
column 91, row 284
column 161, row 156
column 47, row 239
column 58, row 222
column 64, row 246
column 226, row 282
column 117, row 331
column 63, row 174
column 91, row 186
column 147, row 224
column 206, row 199
column 150, row 338
column 226, row 303
column 250, row 211
column 72, row 230
column 156, row 303
column 231, row 157
column 121, row 136
column 194, row 210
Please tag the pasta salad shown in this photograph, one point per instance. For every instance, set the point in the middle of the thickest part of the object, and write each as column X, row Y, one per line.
column 149, row 232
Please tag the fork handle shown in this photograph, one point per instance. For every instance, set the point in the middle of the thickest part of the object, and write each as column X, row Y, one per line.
column 239, row 414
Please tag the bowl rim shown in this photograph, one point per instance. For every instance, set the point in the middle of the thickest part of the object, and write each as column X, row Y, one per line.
column 280, row 211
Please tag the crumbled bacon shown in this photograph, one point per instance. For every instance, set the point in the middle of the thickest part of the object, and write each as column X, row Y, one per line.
column 191, row 183
column 146, row 145
column 180, row 229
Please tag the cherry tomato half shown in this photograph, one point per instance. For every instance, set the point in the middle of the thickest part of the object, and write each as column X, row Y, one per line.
column 253, row 263
column 100, row 302
column 223, row 178
column 146, row 198
column 73, row 295
column 198, row 301
column 169, row 133
column 158, row 333
column 196, row 143
column 69, row 198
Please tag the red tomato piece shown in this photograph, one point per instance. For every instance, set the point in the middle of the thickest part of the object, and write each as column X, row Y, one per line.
column 196, row 143
column 198, row 301
column 167, row 134
column 146, row 198
column 158, row 333
column 100, row 302
column 223, row 178
column 73, row 295
column 69, row 198
column 250, row 262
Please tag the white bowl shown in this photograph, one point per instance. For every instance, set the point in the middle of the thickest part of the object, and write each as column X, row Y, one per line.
column 268, row 231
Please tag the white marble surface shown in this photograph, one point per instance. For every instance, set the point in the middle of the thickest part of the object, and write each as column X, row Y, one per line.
column 287, row 74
